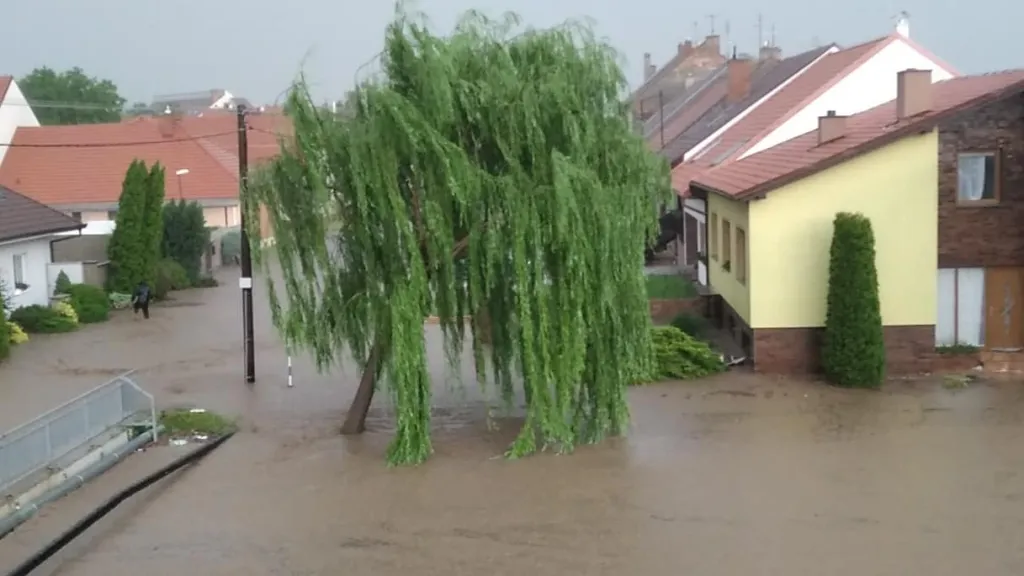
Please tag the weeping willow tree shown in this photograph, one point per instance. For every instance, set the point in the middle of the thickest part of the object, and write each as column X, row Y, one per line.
column 487, row 175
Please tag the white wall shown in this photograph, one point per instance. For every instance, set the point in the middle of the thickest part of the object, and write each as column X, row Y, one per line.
column 73, row 270
column 871, row 84
column 713, row 138
column 14, row 113
column 36, row 256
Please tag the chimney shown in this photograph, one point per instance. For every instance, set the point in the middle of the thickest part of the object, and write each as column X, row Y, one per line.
column 738, row 78
column 647, row 66
column 831, row 127
column 711, row 44
column 770, row 52
column 168, row 124
column 913, row 93
column 685, row 49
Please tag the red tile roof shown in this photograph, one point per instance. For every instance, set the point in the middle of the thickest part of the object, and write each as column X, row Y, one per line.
column 691, row 112
column 798, row 158
column 85, row 164
column 5, row 83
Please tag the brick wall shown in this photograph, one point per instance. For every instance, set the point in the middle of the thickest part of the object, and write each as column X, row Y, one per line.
column 663, row 311
column 908, row 349
column 985, row 235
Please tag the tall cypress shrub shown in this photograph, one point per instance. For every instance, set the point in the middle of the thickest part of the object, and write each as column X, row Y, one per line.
column 127, row 249
column 853, row 352
column 153, row 231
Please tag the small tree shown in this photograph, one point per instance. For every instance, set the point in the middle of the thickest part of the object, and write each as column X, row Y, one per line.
column 185, row 236
column 853, row 353
column 63, row 284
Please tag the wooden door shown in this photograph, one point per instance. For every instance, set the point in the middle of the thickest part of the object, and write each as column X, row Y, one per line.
column 1004, row 309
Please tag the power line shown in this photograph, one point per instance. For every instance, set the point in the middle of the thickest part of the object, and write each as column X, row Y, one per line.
column 118, row 144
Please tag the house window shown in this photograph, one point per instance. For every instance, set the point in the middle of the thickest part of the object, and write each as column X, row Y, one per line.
column 726, row 244
column 741, row 255
column 702, row 248
column 111, row 214
column 19, row 274
column 961, row 314
column 977, row 178
column 713, row 237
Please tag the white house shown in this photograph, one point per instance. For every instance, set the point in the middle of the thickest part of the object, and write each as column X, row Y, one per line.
column 846, row 81
column 26, row 229
column 14, row 112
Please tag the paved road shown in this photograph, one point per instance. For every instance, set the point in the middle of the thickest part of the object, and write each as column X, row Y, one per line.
column 736, row 475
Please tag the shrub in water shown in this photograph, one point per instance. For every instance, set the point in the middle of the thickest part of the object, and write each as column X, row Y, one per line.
column 679, row 356
column 63, row 284
column 38, row 319
column 169, row 276
column 120, row 300
column 853, row 352
column 89, row 302
column 15, row 334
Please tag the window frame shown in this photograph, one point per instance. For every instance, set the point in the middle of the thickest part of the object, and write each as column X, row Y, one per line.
column 727, row 243
column 997, row 167
column 741, row 256
column 18, row 273
column 713, row 239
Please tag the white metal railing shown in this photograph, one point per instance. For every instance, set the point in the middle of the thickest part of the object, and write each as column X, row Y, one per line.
column 40, row 443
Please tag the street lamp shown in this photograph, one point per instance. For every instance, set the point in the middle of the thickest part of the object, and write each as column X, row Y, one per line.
column 179, row 174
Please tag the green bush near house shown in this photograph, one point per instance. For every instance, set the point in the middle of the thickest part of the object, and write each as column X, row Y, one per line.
column 231, row 246
column 62, row 285
column 169, row 276
column 5, row 338
column 853, row 351
column 679, row 356
column 669, row 287
column 90, row 303
column 692, row 324
column 38, row 319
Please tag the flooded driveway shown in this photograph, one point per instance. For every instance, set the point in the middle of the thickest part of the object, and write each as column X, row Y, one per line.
column 735, row 475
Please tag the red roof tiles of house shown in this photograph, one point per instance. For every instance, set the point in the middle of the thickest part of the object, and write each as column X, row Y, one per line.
column 85, row 164
column 5, row 83
column 786, row 102
column 802, row 156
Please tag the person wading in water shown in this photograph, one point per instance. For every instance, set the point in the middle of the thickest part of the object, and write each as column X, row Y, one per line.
column 140, row 300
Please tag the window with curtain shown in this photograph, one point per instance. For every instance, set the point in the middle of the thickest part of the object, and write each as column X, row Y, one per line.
column 961, row 313
column 701, row 231
column 977, row 177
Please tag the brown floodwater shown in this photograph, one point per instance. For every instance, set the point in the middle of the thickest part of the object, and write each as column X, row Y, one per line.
column 734, row 475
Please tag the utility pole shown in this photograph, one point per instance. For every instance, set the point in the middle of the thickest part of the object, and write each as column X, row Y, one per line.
column 245, row 281
column 711, row 20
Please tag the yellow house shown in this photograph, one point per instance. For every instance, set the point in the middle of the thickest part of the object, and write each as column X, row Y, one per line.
column 770, row 222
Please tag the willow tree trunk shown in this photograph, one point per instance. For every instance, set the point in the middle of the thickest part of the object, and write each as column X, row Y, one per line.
column 355, row 420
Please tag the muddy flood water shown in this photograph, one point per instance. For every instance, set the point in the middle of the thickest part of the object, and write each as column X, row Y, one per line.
column 734, row 475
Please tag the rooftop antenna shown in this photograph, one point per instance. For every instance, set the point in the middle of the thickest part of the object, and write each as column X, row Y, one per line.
column 696, row 30
column 903, row 24
column 711, row 19
column 726, row 37
column 773, row 36
column 760, row 30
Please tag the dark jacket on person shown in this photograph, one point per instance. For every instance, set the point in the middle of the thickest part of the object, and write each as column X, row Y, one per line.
column 141, row 295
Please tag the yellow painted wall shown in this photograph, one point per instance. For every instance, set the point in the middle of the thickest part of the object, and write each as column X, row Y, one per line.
column 725, row 282
column 896, row 187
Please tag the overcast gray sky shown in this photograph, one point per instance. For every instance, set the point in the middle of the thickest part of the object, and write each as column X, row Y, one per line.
column 255, row 48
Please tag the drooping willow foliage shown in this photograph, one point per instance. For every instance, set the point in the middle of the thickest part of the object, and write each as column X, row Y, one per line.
column 488, row 175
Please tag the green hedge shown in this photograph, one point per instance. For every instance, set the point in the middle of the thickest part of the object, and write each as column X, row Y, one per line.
column 169, row 276
column 853, row 351
column 5, row 338
column 38, row 319
column 679, row 356
column 90, row 303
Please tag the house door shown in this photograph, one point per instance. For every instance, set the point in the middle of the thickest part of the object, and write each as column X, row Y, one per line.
column 690, row 239
column 1004, row 315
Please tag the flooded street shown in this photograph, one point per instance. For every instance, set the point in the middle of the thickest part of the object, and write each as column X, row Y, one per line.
column 733, row 475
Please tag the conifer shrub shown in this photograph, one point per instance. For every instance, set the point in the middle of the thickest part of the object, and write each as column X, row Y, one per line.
column 853, row 351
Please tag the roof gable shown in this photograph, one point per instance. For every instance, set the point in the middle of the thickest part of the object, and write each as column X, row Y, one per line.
column 719, row 115
column 802, row 156
column 5, row 83
column 22, row 217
